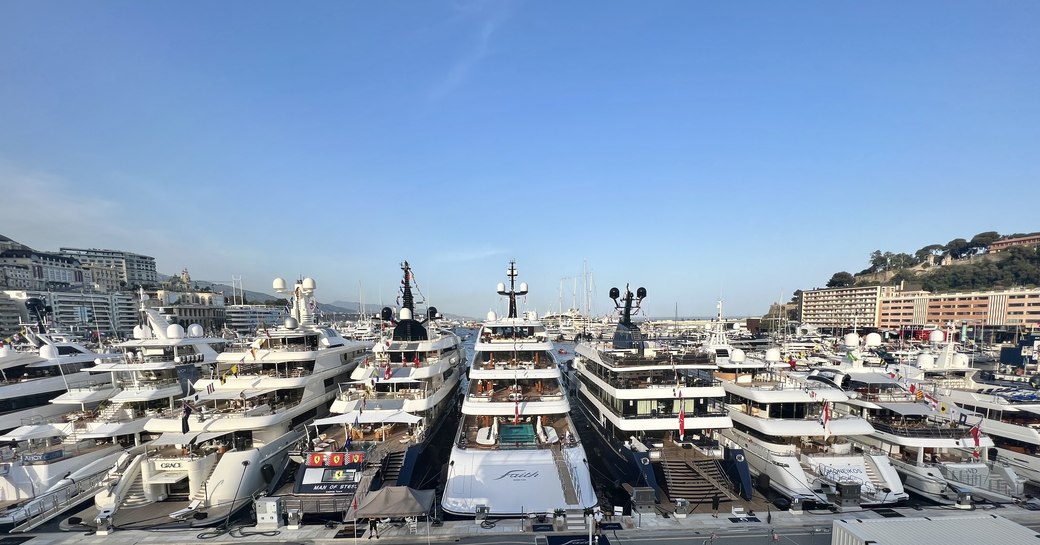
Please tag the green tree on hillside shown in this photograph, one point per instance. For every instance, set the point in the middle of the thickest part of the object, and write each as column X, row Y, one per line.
column 841, row 279
column 981, row 241
column 932, row 249
column 957, row 248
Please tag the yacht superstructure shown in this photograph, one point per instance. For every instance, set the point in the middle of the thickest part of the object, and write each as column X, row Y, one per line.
column 797, row 444
column 231, row 439
column 647, row 402
column 396, row 400
column 516, row 450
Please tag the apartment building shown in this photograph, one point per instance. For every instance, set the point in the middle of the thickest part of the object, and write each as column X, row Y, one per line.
column 844, row 308
column 130, row 268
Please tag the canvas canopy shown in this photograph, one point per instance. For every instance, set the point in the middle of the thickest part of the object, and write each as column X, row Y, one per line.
column 396, row 501
column 373, row 416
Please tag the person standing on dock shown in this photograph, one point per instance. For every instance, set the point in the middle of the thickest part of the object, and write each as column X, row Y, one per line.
column 715, row 505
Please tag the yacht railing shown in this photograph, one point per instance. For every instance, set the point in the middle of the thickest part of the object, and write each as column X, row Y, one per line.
column 925, row 431
column 349, row 393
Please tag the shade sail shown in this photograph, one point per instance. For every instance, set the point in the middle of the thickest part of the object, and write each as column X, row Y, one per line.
column 396, row 501
column 910, row 409
column 186, row 438
column 370, row 417
column 39, row 431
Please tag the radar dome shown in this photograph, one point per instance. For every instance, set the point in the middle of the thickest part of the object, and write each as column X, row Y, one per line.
column 406, row 314
column 523, row 286
column 737, row 356
column 278, row 284
column 48, row 352
column 174, row 331
column 936, row 336
column 925, row 361
column 491, row 316
column 146, row 332
column 291, row 323
column 960, row 360
column 138, row 332
column 873, row 340
column 773, row 355
column 5, row 351
column 308, row 284
column 501, row 287
column 852, row 339
column 195, row 330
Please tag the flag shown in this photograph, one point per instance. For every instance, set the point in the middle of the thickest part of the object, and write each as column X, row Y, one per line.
column 913, row 388
column 416, row 360
column 826, row 420
column 386, row 374
column 185, row 413
column 516, row 412
column 850, row 356
column 975, row 432
column 355, row 502
column 682, row 417
column 210, row 388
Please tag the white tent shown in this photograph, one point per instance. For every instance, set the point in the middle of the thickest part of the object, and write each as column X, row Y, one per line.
column 374, row 416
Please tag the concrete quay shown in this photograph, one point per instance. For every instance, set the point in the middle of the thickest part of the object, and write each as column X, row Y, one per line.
column 696, row 528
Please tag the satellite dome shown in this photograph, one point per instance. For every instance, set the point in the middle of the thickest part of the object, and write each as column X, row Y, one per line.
column 523, row 286
column 852, row 339
column 278, row 284
column 308, row 284
column 936, row 337
column 5, row 351
column 175, row 331
column 873, row 340
column 291, row 323
column 925, row 361
column 737, row 356
column 146, row 332
column 501, row 287
column 406, row 314
column 48, row 352
column 773, row 355
column 960, row 360
column 138, row 332
column 491, row 316
column 195, row 330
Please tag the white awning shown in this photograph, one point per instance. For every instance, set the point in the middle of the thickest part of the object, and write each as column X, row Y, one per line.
column 115, row 429
column 910, row 409
column 38, row 431
column 167, row 477
column 227, row 393
column 373, row 416
column 185, row 438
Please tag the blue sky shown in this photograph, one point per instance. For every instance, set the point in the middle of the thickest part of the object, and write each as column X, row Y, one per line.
column 702, row 150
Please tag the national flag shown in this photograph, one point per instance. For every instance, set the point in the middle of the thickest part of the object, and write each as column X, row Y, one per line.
column 682, row 417
column 185, row 413
column 355, row 502
column 516, row 412
column 975, row 433
column 386, row 374
column 826, row 419
column 913, row 388
column 210, row 388
column 416, row 360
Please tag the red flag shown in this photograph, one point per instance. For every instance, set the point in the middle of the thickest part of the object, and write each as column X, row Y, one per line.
column 913, row 388
column 416, row 360
column 516, row 413
column 682, row 417
column 355, row 503
column 826, row 419
column 386, row 375
column 975, row 432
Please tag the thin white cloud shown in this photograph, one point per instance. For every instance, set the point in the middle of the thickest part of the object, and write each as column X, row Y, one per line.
column 489, row 18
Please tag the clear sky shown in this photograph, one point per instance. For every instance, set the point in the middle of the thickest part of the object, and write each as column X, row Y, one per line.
column 700, row 149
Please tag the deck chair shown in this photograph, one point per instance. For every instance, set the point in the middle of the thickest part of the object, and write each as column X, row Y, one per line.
column 188, row 511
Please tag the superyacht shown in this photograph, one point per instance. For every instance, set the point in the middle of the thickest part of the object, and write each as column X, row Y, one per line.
column 516, row 450
column 657, row 408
